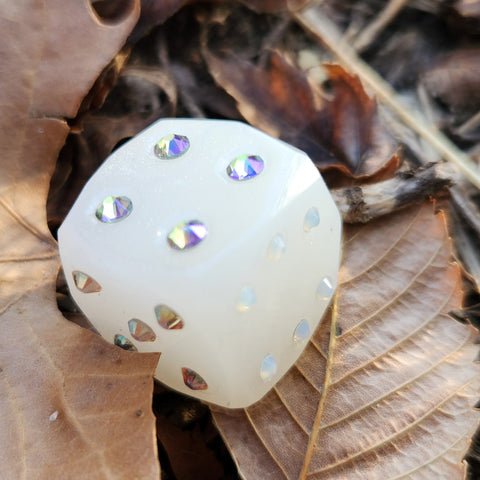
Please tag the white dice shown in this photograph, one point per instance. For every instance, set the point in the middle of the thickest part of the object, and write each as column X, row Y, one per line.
column 212, row 243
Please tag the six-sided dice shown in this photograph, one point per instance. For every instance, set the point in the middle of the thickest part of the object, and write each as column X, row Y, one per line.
column 212, row 243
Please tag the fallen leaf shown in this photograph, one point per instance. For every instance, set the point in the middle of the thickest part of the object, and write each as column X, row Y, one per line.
column 342, row 132
column 278, row 100
column 454, row 80
column 71, row 406
column 402, row 57
column 353, row 113
column 386, row 387
column 155, row 12
column 355, row 137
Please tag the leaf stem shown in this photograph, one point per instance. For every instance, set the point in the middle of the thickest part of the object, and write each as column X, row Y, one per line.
column 312, row 441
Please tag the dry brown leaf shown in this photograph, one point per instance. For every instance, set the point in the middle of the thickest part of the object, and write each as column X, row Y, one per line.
column 389, row 394
column 278, row 100
column 155, row 12
column 355, row 138
column 454, row 79
column 353, row 113
column 71, row 406
column 342, row 132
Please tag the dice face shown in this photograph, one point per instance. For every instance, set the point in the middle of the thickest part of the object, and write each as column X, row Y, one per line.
column 212, row 243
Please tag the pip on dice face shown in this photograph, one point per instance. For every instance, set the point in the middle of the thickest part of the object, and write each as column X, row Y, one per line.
column 212, row 243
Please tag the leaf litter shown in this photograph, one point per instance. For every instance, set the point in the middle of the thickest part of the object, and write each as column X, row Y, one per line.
column 386, row 387
column 71, row 405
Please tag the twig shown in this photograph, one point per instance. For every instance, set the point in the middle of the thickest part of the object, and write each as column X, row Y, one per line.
column 371, row 31
column 313, row 20
column 361, row 204
column 471, row 124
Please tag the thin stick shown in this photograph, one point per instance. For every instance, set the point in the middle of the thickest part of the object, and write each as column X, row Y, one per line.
column 371, row 31
column 313, row 20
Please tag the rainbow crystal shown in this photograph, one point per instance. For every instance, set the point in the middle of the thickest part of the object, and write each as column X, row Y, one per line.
column 124, row 342
column 85, row 283
column 167, row 318
column 245, row 167
column 171, row 146
column 141, row 331
column 187, row 234
column 113, row 209
column 193, row 380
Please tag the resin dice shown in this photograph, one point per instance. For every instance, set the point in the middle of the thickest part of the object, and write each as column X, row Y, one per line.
column 212, row 243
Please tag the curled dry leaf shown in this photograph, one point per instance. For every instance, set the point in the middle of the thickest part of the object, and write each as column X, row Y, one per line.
column 353, row 113
column 355, row 137
column 342, row 131
column 386, row 387
column 278, row 100
column 71, row 406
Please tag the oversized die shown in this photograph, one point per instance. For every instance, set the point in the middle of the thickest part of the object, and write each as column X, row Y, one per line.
column 212, row 243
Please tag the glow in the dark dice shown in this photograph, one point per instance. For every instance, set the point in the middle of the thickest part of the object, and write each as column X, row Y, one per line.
column 212, row 243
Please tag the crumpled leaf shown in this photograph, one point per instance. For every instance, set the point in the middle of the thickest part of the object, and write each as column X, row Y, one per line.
column 71, row 406
column 386, row 387
column 342, row 131
column 356, row 138
column 353, row 112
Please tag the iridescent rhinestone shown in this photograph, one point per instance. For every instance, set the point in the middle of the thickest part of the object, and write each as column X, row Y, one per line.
column 124, row 342
column 114, row 209
column 276, row 248
column 325, row 289
column 85, row 283
column 193, row 380
column 141, row 331
column 167, row 318
column 244, row 167
column 302, row 332
column 171, row 146
column 269, row 368
column 246, row 299
column 311, row 220
column 187, row 234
